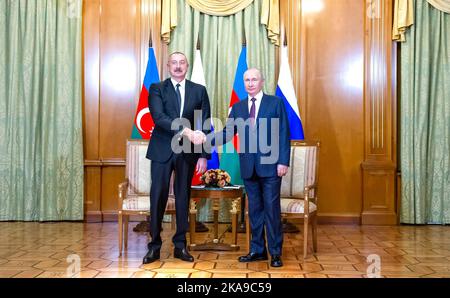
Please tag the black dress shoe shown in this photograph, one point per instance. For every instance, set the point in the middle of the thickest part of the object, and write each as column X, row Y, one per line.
column 253, row 256
column 151, row 256
column 276, row 261
column 183, row 254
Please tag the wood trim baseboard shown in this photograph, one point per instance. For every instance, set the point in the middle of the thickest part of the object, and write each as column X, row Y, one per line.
column 111, row 216
column 379, row 218
column 323, row 218
column 339, row 219
column 93, row 216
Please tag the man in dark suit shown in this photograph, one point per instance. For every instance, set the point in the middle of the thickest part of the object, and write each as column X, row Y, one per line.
column 264, row 138
column 175, row 104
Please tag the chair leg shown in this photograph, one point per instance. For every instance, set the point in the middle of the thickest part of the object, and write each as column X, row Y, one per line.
column 172, row 222
column 305, row 237
column 120, row 228
column 314, row 232
column 126, row 230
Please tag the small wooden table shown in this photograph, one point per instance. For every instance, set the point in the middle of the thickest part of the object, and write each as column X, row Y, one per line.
column 215, row 194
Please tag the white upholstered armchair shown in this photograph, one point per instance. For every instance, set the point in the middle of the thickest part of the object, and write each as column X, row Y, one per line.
column 299, row 190
column 134, row 198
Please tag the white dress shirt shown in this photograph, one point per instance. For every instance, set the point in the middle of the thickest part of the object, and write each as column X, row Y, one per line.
column 182, row 92
column 258, row 100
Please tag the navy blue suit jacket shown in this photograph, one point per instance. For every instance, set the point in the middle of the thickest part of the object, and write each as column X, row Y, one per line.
column 164, row 108
column 260, row 149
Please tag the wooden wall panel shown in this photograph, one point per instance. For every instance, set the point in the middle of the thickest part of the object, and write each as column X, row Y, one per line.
column 112, row 176
column 326, row 55
column 334, row 106
column 116, row 38
column 119, row 85
column 91, row 107
column 91, row 59
column 92, row 193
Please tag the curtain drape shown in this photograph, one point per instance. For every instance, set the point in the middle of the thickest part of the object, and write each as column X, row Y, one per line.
column 219, row 8
column 221, row 43
column 403, row 18
column 41, row 153
column 443, row 5
column 269, row 14
column 425, row 118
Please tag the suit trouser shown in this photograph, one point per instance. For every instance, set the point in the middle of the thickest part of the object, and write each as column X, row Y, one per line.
column 159, row 192
column 265, row 212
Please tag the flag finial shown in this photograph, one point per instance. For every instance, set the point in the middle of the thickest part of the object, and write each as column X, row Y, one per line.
column 285, row 38
column 198, row 42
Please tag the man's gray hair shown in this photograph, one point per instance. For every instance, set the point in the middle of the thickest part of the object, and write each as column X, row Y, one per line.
column 261, row 75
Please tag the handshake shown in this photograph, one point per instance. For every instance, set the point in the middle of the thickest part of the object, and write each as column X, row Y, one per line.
column 196, row 137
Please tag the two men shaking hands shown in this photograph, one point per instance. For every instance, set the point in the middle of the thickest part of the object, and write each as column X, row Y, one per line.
column 196, row 137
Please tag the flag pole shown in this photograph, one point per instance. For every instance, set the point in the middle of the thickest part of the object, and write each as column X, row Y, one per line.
column 242, row 227
column 143, row 226
column 150, row 39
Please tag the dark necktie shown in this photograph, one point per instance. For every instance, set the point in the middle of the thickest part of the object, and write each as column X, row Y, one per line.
column 252, row 113
column 179, row 96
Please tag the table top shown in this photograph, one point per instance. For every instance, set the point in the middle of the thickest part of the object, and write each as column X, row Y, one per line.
column 216, row 192
column 234, row 187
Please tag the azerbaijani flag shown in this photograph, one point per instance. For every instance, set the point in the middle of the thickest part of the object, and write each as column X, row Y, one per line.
column 230, row 159
column 143, row 121
column 198, row 76
column 285, row 90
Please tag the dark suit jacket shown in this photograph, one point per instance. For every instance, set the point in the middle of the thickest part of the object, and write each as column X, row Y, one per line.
column 266, row 136
column 163, row 105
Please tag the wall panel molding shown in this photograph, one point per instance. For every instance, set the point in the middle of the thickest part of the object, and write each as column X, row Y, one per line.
column 380, row 157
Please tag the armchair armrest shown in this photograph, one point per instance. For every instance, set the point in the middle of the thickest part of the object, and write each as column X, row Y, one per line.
column 306, row 191
column 122, row 188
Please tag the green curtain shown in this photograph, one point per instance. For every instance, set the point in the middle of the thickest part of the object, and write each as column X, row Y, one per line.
column 41, row 152
column 425, row 118
column 221, row 43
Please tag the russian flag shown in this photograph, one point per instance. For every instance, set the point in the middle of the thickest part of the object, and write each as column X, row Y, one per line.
column 143, row 122
column 198, row 76
column 285, row 90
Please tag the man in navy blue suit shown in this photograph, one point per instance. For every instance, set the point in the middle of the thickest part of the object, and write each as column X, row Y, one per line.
column 264, row 138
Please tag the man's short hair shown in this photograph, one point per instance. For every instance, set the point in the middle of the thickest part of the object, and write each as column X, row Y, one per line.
column 178, row 53
column 259, row 71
